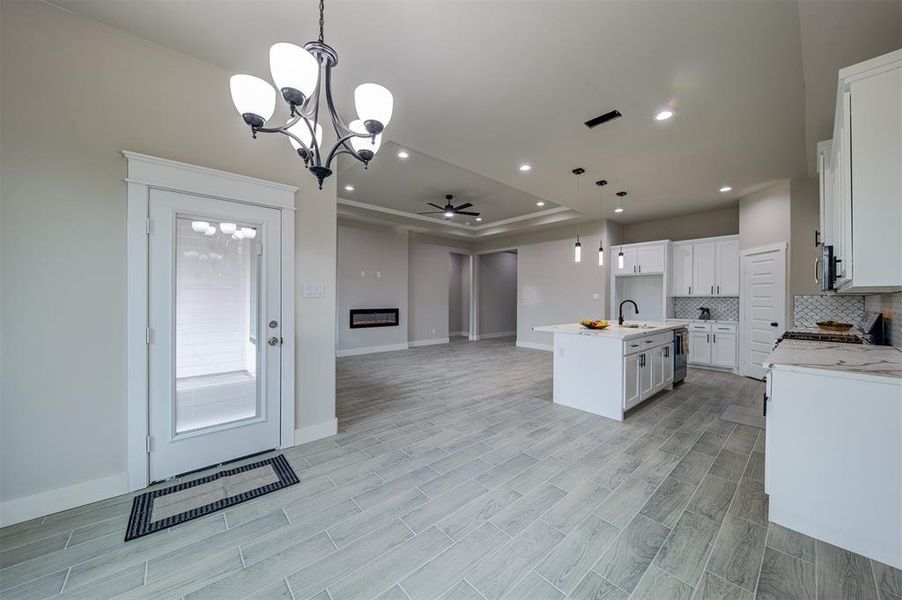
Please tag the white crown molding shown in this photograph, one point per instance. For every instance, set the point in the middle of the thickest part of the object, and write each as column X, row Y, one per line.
column 551, row 216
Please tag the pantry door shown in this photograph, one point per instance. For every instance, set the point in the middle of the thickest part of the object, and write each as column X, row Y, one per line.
column 215, row 334
column 762, row 303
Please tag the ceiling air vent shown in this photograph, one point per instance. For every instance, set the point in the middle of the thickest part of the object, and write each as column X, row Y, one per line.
column 603, row 118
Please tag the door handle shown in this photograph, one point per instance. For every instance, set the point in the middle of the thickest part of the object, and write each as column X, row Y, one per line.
column 274, row 341
column 774, row 324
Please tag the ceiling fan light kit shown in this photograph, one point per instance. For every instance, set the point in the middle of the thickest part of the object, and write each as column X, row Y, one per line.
column 303, row 76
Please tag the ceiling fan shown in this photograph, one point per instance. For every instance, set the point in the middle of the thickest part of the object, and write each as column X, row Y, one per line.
column 449, row 210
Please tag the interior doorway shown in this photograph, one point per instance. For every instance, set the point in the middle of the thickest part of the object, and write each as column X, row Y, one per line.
column 497, row 294
column 459, row 296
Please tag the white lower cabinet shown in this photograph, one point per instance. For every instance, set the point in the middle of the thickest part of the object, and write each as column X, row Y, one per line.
column 723, row 349
column 631, row 380
column 648, row 372
column 712, row 344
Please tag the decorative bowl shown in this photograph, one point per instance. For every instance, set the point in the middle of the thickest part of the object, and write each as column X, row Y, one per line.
column 833, row 326
column 590, row 324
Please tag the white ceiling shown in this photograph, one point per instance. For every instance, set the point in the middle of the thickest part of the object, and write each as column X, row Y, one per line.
column 408, row 184
column 481, row 86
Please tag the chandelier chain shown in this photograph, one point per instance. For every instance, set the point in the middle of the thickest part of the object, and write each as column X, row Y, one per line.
column 322, row 22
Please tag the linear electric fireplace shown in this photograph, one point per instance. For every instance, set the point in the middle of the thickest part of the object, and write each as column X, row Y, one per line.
column 373, row 317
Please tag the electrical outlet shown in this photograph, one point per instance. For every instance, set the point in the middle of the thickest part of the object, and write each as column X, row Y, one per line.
column 378, row 274
column 596, row 296
column 433, row 332
column 363, row 273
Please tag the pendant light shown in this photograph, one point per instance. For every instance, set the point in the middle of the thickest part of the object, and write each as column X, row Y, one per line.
column 619, row 208
column 620, row 258
column 601, row 183
column 578, row 248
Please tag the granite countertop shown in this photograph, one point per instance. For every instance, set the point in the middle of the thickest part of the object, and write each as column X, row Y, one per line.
column 859, row 360
column 675, row 320
column 612, row 331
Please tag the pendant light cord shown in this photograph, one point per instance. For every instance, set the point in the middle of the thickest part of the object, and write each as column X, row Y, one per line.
column 322, row 22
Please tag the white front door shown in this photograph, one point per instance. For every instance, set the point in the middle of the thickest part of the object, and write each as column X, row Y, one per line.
column 214, row 331
column 763, row 306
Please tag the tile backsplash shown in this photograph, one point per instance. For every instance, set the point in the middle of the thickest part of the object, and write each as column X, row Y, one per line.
column 723, row 308
column 808, row 310
column 891, row 307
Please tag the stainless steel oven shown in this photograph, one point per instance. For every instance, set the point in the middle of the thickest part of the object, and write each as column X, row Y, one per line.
column 680, row 353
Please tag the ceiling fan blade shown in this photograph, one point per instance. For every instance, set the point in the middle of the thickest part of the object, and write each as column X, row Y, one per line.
column 463, row 212
column 441, row 208
column 432, row 212
column 464, row 205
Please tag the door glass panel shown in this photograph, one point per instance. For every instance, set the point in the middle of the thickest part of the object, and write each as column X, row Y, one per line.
column 217, row 319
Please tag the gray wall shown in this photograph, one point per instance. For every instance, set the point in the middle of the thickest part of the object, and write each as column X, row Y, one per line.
column 62, row 242
column 764, row 216
column 429, row 267
column 364, row 252
column 497, row 293
column 710, row 223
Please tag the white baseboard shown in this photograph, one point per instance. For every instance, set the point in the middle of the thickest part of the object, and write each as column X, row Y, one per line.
column 41, row 504
column 535, row 346
column 432, row 342
column 458, row 333
column 497, row 334
column 317, row 431
column 370, row 350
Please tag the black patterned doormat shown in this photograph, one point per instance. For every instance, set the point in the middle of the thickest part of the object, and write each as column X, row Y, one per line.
column 163, row 508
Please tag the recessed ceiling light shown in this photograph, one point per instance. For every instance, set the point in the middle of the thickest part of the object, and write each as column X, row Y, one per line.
column 479, row 218
column 618, row 210
column 540, row 203
column 349, row 188
column 525, row 167
column 403, row 154
column 726, row 188
column 663, row 115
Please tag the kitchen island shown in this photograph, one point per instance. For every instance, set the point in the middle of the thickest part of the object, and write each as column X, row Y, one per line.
column 833, row 459
column 609, row 371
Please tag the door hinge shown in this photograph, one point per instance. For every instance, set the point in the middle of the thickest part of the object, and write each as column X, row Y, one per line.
column 148, row 335
column 149, row 443
column 259, row 249
column 147, row 226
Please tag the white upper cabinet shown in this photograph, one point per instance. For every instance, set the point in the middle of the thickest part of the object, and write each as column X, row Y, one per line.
column 861, row 177
column 630, row 262
column 706, row 267
column 726, row 282
column 651, row 259
column 642, row 259
column 681, row 281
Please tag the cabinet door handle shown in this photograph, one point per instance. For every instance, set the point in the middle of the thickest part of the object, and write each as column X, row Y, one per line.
column 690, row 290
column 640, row 268
column 666, row 352
column 707, row 338
column 817, row 236
column 712, row 289
column 718, row 289
column 715, row 338
column 817, row 262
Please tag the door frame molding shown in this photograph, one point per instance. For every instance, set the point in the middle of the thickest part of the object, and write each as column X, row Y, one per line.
column 743, row 329
column 146, row 173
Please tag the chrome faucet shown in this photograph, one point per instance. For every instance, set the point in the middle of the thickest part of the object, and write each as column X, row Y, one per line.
column 635, row 306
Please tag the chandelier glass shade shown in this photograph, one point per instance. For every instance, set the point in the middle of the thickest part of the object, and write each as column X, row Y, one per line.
column 303, row 77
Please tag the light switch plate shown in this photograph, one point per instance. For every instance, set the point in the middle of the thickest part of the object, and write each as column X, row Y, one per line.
column 363, row 273
column 596, row 296
column 378, row 274
column 314, row 290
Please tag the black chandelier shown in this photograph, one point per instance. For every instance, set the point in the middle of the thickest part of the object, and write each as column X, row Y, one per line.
column 296, row 72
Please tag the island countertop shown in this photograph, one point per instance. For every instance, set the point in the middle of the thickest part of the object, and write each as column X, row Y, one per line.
column 613, row 331
column 881, row 363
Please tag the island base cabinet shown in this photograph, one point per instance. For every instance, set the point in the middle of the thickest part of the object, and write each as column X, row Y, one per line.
column 631, row 395
column 833, row 461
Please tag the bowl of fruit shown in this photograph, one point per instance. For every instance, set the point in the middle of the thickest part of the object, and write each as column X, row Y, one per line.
column 590, row 324
column 833, row 326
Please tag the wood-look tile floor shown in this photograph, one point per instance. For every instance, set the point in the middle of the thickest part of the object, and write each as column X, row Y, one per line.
column 454, row 476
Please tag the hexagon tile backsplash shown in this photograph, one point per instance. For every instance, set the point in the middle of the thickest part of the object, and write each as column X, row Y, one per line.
column 808, row 310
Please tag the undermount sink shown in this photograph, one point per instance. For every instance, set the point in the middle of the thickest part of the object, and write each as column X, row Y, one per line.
column 636, row 326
